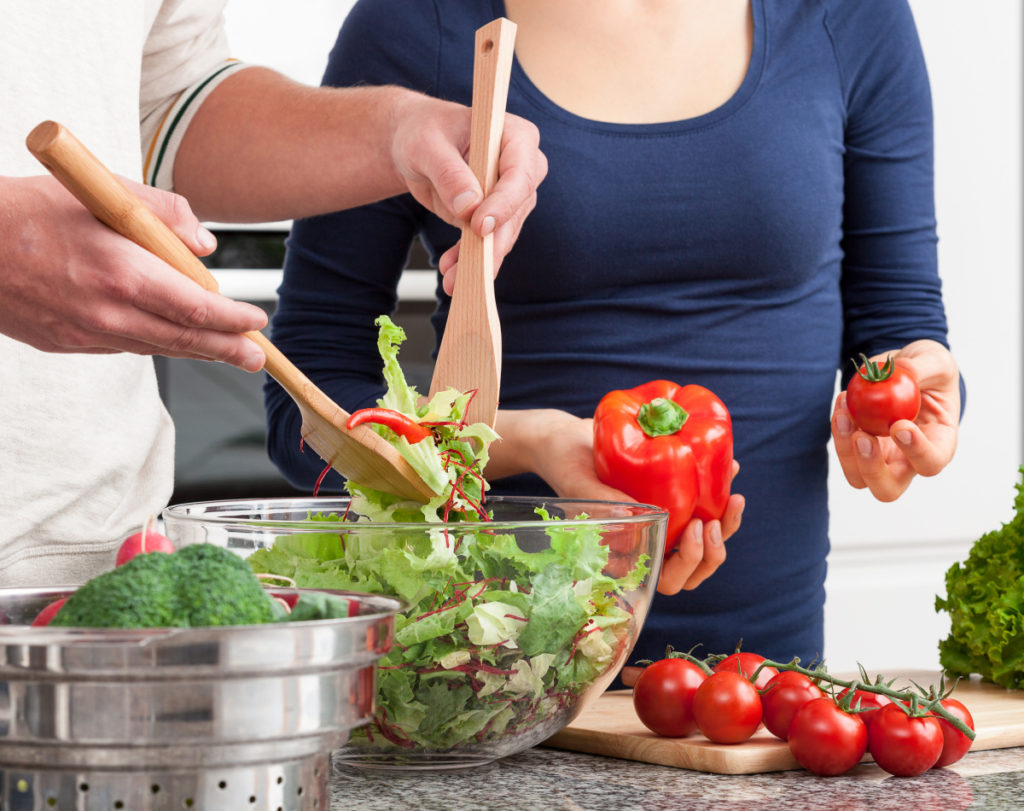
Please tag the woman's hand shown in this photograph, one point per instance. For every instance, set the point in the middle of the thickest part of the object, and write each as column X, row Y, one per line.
column 559, row 448
column 886, row 465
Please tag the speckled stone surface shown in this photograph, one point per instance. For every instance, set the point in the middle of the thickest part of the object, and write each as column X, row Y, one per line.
column 543, row 778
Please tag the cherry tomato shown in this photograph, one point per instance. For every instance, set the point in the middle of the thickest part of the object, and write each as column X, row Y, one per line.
column 745, row 664
column 825, row 740
column 727, row 707
column 663, row 696
column 903, row 745
column 784, row 694
column 954, row 743
column 865, row 703
column 878, row 396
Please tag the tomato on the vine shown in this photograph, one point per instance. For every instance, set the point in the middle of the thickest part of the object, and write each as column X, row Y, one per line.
column 954, row 743
column 877, row 396
column 663, row 696
column 727, row 707
column 746, row 663
column 824, row 739
column 864, row 702
column 784, row 694
column 902, row 744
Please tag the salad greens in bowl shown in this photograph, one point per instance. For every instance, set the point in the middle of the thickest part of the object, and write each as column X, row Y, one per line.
column 518, row 611
column 511, row 625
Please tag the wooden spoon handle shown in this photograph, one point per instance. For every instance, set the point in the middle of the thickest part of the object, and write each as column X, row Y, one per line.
column 470, row 353
column 492, row 70
column 96, row 187
column 113, row 204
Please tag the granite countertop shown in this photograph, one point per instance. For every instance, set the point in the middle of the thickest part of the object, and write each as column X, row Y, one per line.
column 543, row 778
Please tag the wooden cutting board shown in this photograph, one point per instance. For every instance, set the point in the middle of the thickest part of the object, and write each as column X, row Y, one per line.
column 610, row 727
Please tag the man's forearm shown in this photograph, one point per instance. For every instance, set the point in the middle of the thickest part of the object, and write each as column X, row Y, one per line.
column 264, row 148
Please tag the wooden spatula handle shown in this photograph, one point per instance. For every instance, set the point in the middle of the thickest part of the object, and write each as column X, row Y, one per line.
column 470, row 353
column 99, row 190
column 495, row 47
column 360, row 453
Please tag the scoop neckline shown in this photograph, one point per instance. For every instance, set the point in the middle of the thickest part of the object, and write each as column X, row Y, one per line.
column 751, row 80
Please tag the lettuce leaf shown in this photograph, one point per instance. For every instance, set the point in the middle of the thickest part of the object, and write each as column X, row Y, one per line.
column 496, row 638
column 432, row 458
column 985, row 602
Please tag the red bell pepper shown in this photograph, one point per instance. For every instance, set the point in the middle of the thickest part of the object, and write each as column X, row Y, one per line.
column 666, row 445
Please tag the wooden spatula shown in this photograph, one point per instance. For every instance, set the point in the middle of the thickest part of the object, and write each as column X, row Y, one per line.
column 470, row 353
column 359, row 454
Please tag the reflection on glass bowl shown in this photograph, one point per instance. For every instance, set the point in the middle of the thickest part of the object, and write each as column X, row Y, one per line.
column 512, row 625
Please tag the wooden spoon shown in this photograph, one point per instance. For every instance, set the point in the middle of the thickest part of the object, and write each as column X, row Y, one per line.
column 359, row 454
column 470, row 353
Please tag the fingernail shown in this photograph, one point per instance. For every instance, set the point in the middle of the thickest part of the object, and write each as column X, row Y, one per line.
column 487, row 226
column 843, row 424
column 716, row 535
column 864, row 447
column 903, row 437
column 253, row 362
column 463, row 201
column 698, row 529
column 207, row 241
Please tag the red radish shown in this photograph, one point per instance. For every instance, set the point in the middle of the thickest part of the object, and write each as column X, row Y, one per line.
column 47, row 614
column 142, row 543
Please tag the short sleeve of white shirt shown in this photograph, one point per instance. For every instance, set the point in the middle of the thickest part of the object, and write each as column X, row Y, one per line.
column 186, row 57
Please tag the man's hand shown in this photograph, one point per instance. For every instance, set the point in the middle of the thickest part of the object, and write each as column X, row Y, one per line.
column 70, row 284
column 263, row 148
column 430, row 149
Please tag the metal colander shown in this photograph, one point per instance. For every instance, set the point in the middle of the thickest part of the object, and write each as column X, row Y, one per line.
column 207, row 718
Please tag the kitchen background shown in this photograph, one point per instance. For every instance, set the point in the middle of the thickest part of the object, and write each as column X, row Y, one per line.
column 888, row 560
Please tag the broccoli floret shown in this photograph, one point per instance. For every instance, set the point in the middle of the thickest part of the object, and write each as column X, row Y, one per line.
column 200, row 585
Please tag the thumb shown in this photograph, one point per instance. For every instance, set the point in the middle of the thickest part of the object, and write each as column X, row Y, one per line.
column 458, row 188
column 455, row 186
column 176, row 213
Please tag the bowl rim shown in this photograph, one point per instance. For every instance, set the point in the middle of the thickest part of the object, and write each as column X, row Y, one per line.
column 639, row 513
column 380, row 607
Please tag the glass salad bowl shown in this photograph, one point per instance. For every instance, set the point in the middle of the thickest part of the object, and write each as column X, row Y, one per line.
column 512, row 625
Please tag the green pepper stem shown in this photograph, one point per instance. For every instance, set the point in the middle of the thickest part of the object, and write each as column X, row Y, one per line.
column 661, row 417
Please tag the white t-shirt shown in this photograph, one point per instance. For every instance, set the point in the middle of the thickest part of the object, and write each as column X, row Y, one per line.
column 86, row 446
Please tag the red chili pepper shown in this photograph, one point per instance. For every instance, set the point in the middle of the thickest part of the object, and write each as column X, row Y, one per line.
column 401, row 424
column 666, row 445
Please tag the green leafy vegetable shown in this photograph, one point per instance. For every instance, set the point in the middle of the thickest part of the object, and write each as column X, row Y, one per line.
column 496, row 639
column 450, row 462
column 476, row 656
column 985, row 601
column 318, row 607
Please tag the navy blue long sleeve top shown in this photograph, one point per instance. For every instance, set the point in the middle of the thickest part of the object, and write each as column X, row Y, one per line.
column 754, row 250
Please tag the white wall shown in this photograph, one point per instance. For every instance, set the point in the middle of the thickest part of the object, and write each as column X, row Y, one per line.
column 888, row 560
column 295, row 41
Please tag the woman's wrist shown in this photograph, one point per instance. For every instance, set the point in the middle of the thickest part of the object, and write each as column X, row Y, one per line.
column 525, row 436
